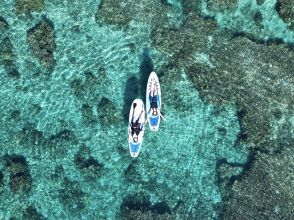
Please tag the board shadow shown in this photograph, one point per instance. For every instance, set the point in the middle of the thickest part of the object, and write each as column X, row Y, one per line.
column 146, row 68
column 131, row 93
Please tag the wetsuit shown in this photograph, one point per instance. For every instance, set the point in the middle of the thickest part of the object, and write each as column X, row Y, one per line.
column 153, row 101
column 135, row 126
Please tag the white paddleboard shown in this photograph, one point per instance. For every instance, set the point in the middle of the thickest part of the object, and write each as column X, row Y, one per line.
column 153, row 101
column 135, row 136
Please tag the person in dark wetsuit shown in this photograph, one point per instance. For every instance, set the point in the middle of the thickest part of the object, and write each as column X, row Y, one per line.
column 153, row 103
column 135, row 126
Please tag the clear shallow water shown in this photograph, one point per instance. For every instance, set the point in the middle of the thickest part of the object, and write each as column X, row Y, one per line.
column 64, row 134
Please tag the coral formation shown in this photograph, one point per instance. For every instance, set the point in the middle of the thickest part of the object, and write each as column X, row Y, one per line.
column 122, row 14
column 265, row 191
column 31, row 213
column 6, row 53
column 25, row 6
column 226, row 76
column 41, row 39
column 257, row 101
column 225, row 70
column 87, row 164
column 108, row 114
column 113, row 12
column 20, row 178
column 256, row 20
column 72, row 197
column 3, row 25
column 220, row 5
column 139, row 207
column 286, row 12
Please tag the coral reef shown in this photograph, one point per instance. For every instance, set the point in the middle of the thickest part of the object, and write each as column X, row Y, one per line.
column 256, row 20
column 72, row 197
column 108, row 114
column 228, row 68
column 3, row 25
column 286, row 12
column 41, row 39
column 257, row 102
column 225, row 69
column 265, row 190
column 31, row 213
column 122, row 14
column 25, row 6
column 20, row 178
column 220, row 5
column 139, row 207
column 113, row 12
column 87, row 164
column 6, row 53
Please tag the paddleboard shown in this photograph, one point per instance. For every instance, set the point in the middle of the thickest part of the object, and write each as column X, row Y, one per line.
column 153, row 101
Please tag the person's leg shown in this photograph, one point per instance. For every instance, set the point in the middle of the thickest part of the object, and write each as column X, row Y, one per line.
column 138, row 130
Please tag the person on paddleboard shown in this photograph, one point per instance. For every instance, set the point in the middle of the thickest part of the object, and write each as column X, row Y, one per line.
column 136, row 127
column 154, row 99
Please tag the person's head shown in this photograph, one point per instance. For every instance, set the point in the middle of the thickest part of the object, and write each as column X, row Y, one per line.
column 135, row 138
column 154, row 112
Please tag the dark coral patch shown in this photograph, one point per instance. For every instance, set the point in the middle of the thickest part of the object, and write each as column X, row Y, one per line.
column 41, row 39
column 140, row 205
column 72, row 197
column 25, row 6
column 286, row 12
column 13, row 73
column 3, row 25
column 30, row 136
column 108, row 114
column 1, row 181
column 84, row 89
column 87, row 164
column 112, row 12
column 31, row 213
column 136, row 202
column 20, row 178
column 265, row 191
column 60, row 142
column 219, row 5
column 15, row 115
column 6, row 53
column 87, row 114
column 132, row 174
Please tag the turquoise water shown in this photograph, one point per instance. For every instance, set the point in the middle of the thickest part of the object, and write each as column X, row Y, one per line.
column 65, row 102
